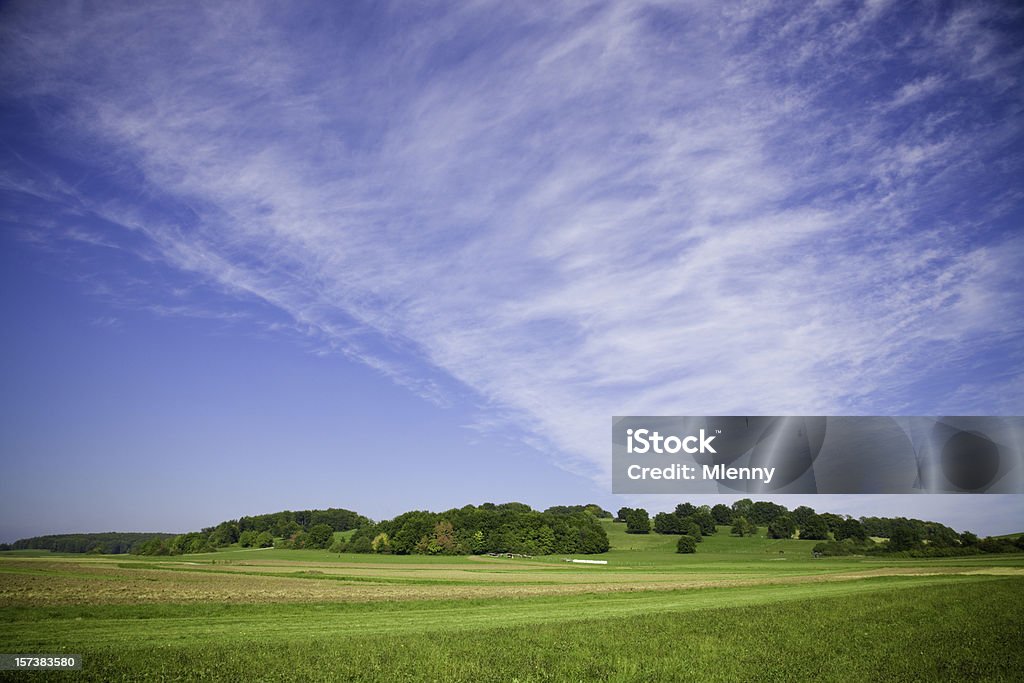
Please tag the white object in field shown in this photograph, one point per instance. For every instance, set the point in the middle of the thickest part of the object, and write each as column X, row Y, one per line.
column 589, row 561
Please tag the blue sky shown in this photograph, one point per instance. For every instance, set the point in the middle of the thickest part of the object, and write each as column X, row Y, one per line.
column 383, row 256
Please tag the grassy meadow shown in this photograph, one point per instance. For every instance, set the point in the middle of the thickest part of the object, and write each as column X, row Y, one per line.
column 740, row 608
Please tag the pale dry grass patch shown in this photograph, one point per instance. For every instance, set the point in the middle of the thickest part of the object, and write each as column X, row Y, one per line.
column 40, row 583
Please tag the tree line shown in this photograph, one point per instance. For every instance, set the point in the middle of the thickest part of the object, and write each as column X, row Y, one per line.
column 108, row 543
column 517, row 528
column 487, row 528
column 841, row 534
column 288, row 528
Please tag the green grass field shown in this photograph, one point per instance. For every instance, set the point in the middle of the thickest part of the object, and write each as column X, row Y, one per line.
column 749, row 608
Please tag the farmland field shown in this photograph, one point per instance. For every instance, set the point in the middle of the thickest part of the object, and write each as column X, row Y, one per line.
column 739, row 608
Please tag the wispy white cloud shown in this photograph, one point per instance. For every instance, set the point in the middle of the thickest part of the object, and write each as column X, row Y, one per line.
column 916, row 90
column 108, row 322
column 586, row 211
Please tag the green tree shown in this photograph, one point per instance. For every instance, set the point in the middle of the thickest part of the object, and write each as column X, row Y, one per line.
column 814, row 528
column 833, row 520
column 667, row 523
column 690, row 528
column 940, row 535
column 154, row 546
column 638, row 522
column 381, row 543
column 443, row 540
column 763, row 512
column 515, row 507
column 408, row 531
column 705, row 521
column 320, row 536
column 800, row 516
column 850, row 528
column 997, row 545
column 781, row 527
column 590, row 538
column 741, row 527
column 224, row 534
column 722, row 514
column 477, row 544
column 263, row 540
column 686, row 544
column 743, row 507
column 360, row 544
column 685, row 509
column 544, row 539
column 247, row 538
column 969, row 540
column 905, row 536
column 286, row 529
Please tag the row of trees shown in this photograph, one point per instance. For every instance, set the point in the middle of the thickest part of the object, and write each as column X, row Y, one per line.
column 637, row 520
column 287, row 523
column 488, row 528
column 907, row 539
column 745, row 516
column 317, row 537
column 689, row 522
column 745, row 512
column 510, row 527
column 591, row 508
column 110, row 543
column 182, row 544
column 971, row 545
column 251, row 539
column 517, row 528
column 292, row 529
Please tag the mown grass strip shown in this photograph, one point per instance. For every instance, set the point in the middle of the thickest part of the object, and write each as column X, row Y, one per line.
column 40, row 628
column 347, row 578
